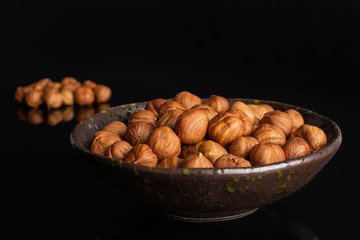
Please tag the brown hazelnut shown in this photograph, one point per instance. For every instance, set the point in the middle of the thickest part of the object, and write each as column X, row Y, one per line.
column 169, row 118
column 142, row 115
column 212, row 150
column 280, row 119
column 70, row 80
column 53, row 99
column 266, row 153
column 52, row 86
column 219, row 103
column 84, row 96
column 170, row 105
column 154, row 105
column 84, row 112
column 186, row 149
column 36, row 116
column 34, row 98
column 103, row 140
column 172, row 162
column 118, row 150
column 269, row 133
column 296, row 117
column 141, row 154
column 240, row 106
column 164, row 142
column 313, row 135
column 191, row 126
column 89, row 84
column 138, row 132
column 19, row 94
column 196, row 160
column 102, row 93
column 225, row 127
column 241, row 146
column 209, row 110
column 187, row 99
column 248, row 125
column 231, row 161
column 117, row 127
column 54, row 117
column 296, row 147
column 67, row 96
column 68, row 113
column 259, row 110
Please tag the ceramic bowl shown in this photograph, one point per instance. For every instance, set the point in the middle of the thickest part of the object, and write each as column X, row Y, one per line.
column 206, row 194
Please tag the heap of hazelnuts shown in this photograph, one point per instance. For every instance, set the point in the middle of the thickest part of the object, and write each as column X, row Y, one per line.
column 66, row 92
column 187, row 132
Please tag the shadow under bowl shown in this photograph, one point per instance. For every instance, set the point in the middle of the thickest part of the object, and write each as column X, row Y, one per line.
column 207, row 194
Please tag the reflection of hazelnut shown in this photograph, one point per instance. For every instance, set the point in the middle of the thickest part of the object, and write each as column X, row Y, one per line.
column 84, row 96
column 102, row 93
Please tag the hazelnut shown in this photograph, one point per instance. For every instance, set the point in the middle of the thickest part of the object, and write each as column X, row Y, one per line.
column 117, row 127
column 209, row 110
column 187, row 99
column 102, row 93
column 296, row 117
column 196, row 160
column 225, row 127
column 52, row 86
column 141, row 154
column 53, row 99
column 142, row 115
column 169, row 118
column 269, row 133
column 89, row 84
column 34, row 98
column 70, row 80
column 103, row 140
column 154, row 105
column 170, row 105
column 172, row 162
column 164, row 142
column 248, row 125
column 231, row 161
column 67, row 96
column 191, row 126
column 296, row 147
column 41, row 84
column 118, row 150
column 54, row 117
column 313, row 135
column 84, row 96
column 266, row 153
column 280, row 119
column 240, row 106
column 186, row 149
column 241, row 146
column 259, row 110
column 138, row 132
column 220, row 104
column 19, row 94
column 36, row 116
column 212, row 150
column 68, row 113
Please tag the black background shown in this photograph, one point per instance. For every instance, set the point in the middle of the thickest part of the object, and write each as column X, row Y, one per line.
column 305, row 53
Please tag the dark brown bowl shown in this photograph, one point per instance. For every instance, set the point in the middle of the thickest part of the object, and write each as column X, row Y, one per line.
column 206, row 194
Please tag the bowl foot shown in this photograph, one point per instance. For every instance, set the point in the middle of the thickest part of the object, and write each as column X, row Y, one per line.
column 211, row 217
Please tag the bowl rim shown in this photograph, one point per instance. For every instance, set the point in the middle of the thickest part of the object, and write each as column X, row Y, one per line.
column 331, row 147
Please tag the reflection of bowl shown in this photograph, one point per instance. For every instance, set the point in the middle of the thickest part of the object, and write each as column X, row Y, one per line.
column 207, row 194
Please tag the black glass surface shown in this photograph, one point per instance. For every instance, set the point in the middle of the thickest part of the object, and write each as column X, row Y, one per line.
column 305, row 54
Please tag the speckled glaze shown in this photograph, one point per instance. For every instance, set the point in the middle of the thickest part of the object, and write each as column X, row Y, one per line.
column 206, row 194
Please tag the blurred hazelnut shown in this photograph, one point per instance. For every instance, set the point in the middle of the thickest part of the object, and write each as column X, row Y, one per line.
column 191, row 126
column 154, row 105
column 219, row 103
column 266, row 153
column 67, row 96
column 138, row 132
column 53, row 99
column 196, row 160
column 241, row 146
column 212, row 150
column 187, row 99
column 269, row 133
column 89, row 84
column 117, row 127
column 34, row 98
column 102, row 93
column 296, row 147
column 224, row 128
column 19, row 94
column 70, row 80
column 142, row 154
column 172, row 162
column 84, row 96
column 231, row 161
column 41, row 84
column 164, row 142
column 118, row 150
column 103, row 140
